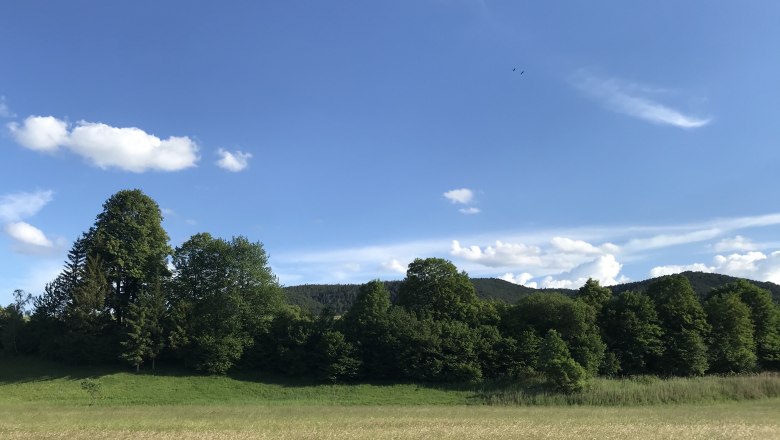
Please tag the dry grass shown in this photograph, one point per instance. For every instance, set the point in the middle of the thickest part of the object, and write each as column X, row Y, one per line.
column 745, row 420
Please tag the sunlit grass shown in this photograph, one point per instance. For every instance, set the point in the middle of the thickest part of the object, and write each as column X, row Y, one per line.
column 39, row 400
column 745, row 420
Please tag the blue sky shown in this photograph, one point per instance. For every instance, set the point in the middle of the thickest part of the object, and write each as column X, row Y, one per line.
column 541, row 142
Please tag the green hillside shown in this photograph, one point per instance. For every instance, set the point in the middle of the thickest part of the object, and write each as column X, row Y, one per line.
column 339, row 297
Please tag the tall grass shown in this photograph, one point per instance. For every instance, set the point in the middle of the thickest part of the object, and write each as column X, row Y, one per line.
column 642, row 390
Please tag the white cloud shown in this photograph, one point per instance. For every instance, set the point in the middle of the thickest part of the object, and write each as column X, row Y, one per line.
column 40, row 133
column 605, row 269
column 634, row 100
column 394, row 266
column 660, row 271
column 568, row 245
column 463, row 196
column 16, row 206
column 738, row 243
column 537, row 251
column 28, row 234
column 131, row 149
column 128, row 148
column 469, row 211
column 667, row 240
column 752, row 265
column 235, row 162
column 523, row 279
column 5, row 111
column 500, row 254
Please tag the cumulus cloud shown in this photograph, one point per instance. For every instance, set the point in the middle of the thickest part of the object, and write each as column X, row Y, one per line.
column 753, row 265
column 16, row 206
column 523, row 279
column 26, row 233
column 635, row 100
column 463, row 196
column 605, row 269
column 551, row 255
column 660, row 271
column 40, row 133
column 126, row 148
column 469, row 211
column 233, row 161
column 499, row 254
column 738, row 243
column 564, row 244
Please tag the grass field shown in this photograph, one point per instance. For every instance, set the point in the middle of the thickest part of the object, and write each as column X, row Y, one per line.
column 745, row 420
column 47, row 401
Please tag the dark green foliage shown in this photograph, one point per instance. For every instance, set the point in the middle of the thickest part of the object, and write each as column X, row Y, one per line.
column 436, row 350
column 330, row 357
column 765, row 317
column 433, row 287
column 367, row 326
column 339, row 297
column 560, row 369
column 593, row 294
column 494, row 289
column 224, row 296
column 731, row 343
column 632, row 332
column 144, row 332
column 703, row 283
column 684, row 325
column 129, row 238
column 574, row 320
column 12, row 322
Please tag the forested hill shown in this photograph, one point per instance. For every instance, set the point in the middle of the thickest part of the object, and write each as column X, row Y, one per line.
column 702, row 283
column 338, row 297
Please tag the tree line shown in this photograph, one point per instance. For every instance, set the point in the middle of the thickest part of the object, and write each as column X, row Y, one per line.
column 214, row 305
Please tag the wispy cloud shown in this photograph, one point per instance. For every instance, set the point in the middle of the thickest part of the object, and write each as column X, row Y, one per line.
column 546, row 258
column 5, row 111
column 125, row 148
column 636, row 100
column 233, row 161
column 17, row 206
column 469, row 211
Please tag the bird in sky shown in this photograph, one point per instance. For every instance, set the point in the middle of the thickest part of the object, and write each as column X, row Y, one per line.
column 521, row 72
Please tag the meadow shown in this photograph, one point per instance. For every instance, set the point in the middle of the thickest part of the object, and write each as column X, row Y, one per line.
column 40, row 400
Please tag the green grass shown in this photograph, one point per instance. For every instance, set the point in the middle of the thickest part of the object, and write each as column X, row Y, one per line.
column 733, row 420
column 30, row 380
column 40, row 400
column 25, row 380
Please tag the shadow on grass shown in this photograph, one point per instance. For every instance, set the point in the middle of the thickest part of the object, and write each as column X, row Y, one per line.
column 26, row 369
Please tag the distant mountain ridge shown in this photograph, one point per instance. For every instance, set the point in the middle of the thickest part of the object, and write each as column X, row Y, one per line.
column 339, row 297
